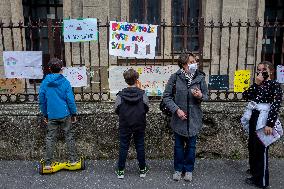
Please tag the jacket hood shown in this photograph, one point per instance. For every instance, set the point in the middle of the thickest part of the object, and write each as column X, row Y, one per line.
column 132, row 95
column 54, row 80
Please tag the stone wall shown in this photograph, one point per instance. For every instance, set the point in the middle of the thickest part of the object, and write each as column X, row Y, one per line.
column 22, row 133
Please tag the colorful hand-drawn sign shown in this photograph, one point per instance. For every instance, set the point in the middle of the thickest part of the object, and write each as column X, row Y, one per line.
column 11, row 86
column 77, row 76
column 23, row 64
column 280, row 74
column 241, row 80
column 79, row 30
column 152, row 79
column 132, row 40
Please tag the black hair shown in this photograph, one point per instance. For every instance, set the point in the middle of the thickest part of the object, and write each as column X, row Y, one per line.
column 55, row 65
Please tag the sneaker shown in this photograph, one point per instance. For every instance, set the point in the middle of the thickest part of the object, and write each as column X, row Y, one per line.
column 119, row 173
column 177, row 176
column 73, row 163
column 47, row 167
column 144, row 171
column 188, row 176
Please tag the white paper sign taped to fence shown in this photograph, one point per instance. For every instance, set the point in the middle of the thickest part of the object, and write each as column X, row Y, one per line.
column 77, row 76
column 79, row 30
column 132, row 40
column 280, row 74
column 153, row 79
column 23, row 64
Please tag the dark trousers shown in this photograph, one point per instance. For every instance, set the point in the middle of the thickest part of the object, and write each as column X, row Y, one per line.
column 184, row 153
column 53, row 126
column 258, row 154
column 125, row 138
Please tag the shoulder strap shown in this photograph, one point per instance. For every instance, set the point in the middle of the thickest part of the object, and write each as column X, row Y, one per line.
column 174, row 86
column 175, row 78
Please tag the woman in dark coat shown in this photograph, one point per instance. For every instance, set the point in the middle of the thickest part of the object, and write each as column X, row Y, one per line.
column 190, row 89
column 265, row 91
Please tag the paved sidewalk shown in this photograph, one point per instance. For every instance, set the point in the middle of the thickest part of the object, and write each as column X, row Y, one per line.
column 209, row 174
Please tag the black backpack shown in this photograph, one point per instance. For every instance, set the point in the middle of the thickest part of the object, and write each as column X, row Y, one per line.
column 163, row 107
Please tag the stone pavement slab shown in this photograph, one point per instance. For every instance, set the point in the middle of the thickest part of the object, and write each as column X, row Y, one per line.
column 209, row 174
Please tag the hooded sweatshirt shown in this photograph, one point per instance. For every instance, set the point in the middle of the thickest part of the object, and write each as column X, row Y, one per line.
column 56, row 98
column 131, row 105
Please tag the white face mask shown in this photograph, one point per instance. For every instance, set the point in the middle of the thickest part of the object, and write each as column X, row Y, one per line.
column 192, row 67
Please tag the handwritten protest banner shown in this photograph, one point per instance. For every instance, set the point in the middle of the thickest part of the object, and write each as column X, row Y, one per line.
column 218, row 82
column 77, row 76
column 79, row 30
column 11, row 86
column 280, row 74
column 241, row 80
column 153, row 79
column 23, row 64
column 132, row 40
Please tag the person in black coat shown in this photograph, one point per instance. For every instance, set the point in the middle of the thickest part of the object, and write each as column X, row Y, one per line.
column 268, row 91
column 131, row 105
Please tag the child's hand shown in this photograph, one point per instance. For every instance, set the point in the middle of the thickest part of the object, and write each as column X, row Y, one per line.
column 259, row 79
column 268, row 130
column 73, row 119
column 45, row 120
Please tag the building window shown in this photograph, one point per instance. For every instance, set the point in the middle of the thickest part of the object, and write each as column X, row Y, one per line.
column 185, row 12
column 145, row 11
column 37, row 38
column 273, row 10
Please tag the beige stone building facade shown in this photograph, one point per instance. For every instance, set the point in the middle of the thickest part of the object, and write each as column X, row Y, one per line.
column 221, row 53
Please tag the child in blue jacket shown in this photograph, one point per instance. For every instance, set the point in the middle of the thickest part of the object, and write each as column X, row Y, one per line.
column 57, row 104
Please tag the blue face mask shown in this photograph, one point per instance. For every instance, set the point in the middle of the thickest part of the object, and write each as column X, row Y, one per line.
column 192, row 67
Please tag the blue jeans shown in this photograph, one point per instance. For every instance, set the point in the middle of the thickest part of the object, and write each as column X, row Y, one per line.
column 184, row 153
column 125, row 138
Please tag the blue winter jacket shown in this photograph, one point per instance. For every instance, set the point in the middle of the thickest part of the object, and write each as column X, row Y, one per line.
column 56, row 98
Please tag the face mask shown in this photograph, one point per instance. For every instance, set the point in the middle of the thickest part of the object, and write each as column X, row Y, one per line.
column 192, row 67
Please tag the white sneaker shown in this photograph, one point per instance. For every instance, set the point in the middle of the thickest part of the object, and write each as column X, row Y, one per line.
column 177, row 176
column 47, row 167
column 188, row 176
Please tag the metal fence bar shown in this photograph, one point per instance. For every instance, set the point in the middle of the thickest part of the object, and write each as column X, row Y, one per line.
column 211, row 46
column 108, row 61
column 238, row 44
column 229, row 47
column 273, row 51
column 274, row 41
column 257, row 24
column 99, row 56
column 220, row 46
column 282, row 50
column 247, row 41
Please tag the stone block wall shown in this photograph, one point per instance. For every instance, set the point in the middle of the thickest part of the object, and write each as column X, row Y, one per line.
column 22, row 133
